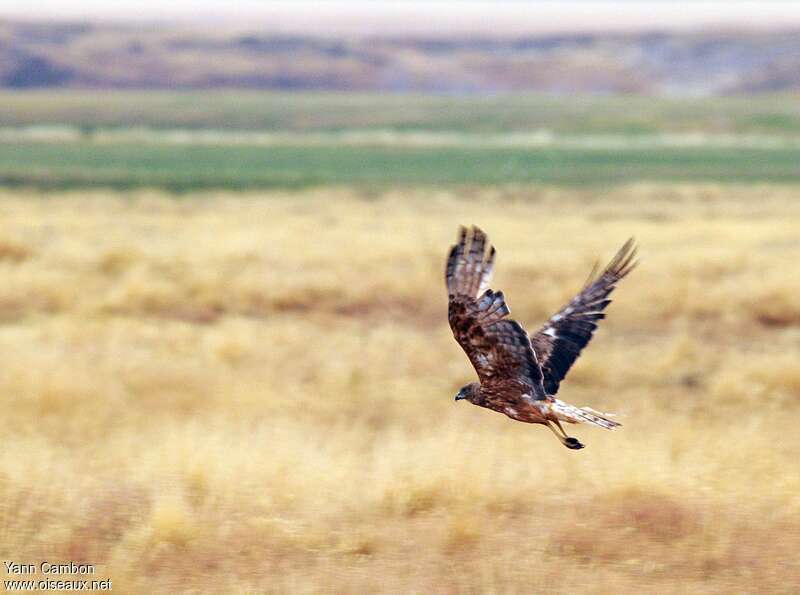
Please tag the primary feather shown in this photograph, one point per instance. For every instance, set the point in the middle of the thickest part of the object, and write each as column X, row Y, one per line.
column 560, row 341
column 497, row 346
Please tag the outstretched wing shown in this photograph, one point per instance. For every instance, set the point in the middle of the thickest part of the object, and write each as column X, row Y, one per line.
column 560, row 341
column 499, row 348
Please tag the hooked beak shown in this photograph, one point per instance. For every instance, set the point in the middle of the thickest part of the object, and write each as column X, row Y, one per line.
column 460, row 396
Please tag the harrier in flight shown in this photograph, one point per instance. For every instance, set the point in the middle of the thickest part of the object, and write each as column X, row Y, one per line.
column 519, row 375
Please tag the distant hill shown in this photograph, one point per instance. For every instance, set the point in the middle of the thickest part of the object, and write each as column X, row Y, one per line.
column 109, row 56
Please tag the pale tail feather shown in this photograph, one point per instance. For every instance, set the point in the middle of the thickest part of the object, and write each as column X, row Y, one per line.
column 581, row 415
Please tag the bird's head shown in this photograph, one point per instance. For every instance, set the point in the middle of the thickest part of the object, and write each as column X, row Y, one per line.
column 469, row 392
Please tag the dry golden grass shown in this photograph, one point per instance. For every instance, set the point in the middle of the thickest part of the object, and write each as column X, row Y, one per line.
column 254, row 393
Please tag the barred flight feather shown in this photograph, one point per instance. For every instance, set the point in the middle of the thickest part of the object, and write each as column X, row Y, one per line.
column 560, row 341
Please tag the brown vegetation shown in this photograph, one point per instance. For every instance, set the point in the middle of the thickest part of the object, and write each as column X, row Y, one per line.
column 255, row 393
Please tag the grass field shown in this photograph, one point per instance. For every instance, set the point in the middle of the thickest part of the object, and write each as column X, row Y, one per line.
column 304, row 112
column 184, row 168
column 189, row 141
column 254, row 392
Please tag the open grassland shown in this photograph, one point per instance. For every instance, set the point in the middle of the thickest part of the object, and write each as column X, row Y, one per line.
column 183, row 168
column 190, row 141
column 305, row 111
column 253, row 393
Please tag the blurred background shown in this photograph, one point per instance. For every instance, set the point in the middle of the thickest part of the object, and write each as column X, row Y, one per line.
column 227, row 365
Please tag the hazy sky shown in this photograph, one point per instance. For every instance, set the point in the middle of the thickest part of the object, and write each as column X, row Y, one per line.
column 441, row 16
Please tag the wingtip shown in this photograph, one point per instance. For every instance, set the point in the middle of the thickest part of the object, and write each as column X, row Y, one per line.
column 477, row 234
column 469, row 231
column 623, row 262
column 630, row 262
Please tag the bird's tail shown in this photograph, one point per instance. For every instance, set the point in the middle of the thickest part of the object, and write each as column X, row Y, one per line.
column 582, row 415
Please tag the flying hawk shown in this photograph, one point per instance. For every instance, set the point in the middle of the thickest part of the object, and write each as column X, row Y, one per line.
column 519, row 375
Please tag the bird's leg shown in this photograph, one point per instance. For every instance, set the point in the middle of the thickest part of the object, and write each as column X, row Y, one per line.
column 552, row 429
column 568, row 441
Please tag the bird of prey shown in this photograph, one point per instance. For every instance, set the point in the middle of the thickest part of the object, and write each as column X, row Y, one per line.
column 519, row 375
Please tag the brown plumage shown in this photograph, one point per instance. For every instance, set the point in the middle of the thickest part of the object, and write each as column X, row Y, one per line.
column 519, row 374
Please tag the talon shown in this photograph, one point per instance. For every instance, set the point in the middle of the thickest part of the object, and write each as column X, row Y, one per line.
column 573, row 443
